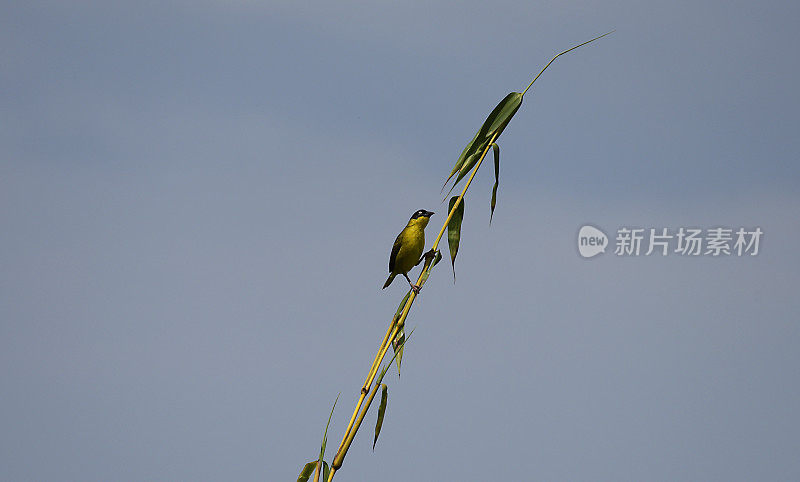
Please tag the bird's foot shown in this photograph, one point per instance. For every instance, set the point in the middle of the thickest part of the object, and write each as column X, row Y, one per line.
column 415, row 288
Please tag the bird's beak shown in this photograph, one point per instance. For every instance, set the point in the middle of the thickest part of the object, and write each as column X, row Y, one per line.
column 429, row 213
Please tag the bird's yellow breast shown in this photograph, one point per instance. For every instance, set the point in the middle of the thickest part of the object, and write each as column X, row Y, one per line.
column 412, row 242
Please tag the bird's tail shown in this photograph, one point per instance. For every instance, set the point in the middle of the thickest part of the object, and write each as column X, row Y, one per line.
column 389, row 280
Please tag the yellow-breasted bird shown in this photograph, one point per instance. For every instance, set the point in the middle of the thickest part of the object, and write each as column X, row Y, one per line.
column 408, row 247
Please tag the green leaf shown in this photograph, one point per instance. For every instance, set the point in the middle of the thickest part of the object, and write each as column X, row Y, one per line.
column 502, row 114
column 381, row 411
column 401, row 333
column 493, row 126
column 495, row 123
column 397, row 345
column 401, row 306
column 308, row 469
column 463, row 157
column 496, row 150
column 427, row 272
column 469, row 162
column 454, row 231
column 386, row 367
column 320, row 462
column 326, row 471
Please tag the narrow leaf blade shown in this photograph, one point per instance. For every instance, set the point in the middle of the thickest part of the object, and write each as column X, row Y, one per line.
column 401, row 333
column 381, row 412
column 325, row 435
column 326, row 471
column 437, row 258
column 426, row 273
column 502, row 114
column 308, row 469
column 397, row 345
column 386, row 367
column 401, row 306
column 454, row 231
column 496, row 150
column 398, row 341
column 462, row 158
column 493, row 126
column 470, row 162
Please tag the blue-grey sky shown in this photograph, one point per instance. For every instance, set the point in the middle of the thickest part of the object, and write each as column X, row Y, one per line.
column 198, row 200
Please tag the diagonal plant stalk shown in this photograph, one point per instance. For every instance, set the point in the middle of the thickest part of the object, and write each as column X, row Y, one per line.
column 394, row 328
column 398, row 321
column 560, row 54
column 372, row 394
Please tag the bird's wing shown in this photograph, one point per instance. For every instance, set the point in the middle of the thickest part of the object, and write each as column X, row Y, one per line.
column 395, row 250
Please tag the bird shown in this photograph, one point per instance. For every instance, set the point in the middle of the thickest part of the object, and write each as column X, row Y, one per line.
column 408, row 247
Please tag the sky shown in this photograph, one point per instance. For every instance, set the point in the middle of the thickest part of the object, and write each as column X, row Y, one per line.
column 198, row 201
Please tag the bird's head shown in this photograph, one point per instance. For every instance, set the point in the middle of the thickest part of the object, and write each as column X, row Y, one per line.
column 420, row 217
